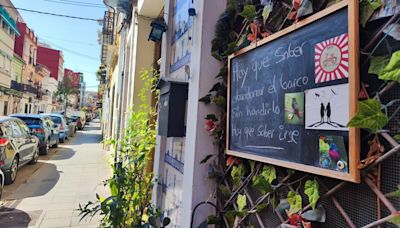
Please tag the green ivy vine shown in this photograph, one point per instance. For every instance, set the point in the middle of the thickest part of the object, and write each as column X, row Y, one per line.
column 129, row 202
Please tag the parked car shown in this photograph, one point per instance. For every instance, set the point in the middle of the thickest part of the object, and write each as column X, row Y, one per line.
column 71, row 126
column 82, row 116
column 62, row 125
column 1, row 183
column 18, row 146
column 88, row 116
column 78, row 121
column 43, row 128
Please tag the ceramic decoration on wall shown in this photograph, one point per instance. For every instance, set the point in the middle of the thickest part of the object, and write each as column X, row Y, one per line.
column 332, row 153
column 181, row 43
column 327, row 108
column 294, row 108
column 332, row 59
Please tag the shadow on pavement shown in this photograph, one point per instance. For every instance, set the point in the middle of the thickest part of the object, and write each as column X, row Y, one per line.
column 85, row 138
column 12, row 218
column 63, row 154
column 40, row 183
column 90, row 128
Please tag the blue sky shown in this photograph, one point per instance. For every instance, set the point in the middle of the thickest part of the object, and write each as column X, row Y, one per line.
column 76, row 38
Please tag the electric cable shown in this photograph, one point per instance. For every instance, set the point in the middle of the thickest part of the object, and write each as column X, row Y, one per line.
column 69, row 41
column 79, row 2
column 76, row 4
column 54, row 14
column 72, row 52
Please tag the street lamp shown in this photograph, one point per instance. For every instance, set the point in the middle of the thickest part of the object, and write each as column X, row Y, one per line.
column 158, row 27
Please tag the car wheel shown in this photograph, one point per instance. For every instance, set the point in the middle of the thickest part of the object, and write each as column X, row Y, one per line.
column 45, row 149
column 35, row 157
column 11, row 175
column 56, row 145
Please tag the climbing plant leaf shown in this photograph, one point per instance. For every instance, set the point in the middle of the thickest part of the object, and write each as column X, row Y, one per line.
column 269, row 173
column 396, row 219
column 206, row 99
column 377, row 64
column 224, row 190
column 206, row 158
column 395, row 193
column 392, row 69
column 397, row 137
column 367, row 8
column 241, row 202
column 261, row 184
column 311, row 189
column 237, row 174
column 294, row 200
column 369, row 116
column 249, row 12
column 266, row 11
column 219, row 100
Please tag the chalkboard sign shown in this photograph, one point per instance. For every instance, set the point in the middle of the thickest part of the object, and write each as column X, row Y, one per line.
column 292, row 94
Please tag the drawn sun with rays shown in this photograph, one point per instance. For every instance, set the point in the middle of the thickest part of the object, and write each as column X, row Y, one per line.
column 332, row 59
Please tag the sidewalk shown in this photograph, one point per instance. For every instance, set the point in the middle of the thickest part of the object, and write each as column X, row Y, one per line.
column 72, row 176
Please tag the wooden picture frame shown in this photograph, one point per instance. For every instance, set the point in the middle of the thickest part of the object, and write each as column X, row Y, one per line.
column 353, row 174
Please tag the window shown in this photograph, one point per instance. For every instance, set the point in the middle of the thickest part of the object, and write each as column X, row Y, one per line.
column 5, row 110
column 7, row 129
column 34, row 56
column 56, row 119
column 31, row 55
column 15, row 129
column 31, row 121
column 4, row 24
column 48, row 123
column 24, row 129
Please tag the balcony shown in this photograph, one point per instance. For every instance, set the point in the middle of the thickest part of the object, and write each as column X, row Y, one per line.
column 124, row 6
column 23, row 87
column 17, row 86
column 30, row 89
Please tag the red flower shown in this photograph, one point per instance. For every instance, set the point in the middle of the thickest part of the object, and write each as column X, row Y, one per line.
column 296, row 5
column 230, row 160
column 210, row 125
column 295, row 219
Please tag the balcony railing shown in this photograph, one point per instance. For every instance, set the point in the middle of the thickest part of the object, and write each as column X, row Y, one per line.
column 17, row 86
column 30, row 89
column 25, row 88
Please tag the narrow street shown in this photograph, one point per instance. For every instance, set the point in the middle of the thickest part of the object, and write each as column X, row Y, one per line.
column 48, row 193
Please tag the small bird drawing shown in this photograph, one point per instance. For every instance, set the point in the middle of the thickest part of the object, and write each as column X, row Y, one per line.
column 296, row 108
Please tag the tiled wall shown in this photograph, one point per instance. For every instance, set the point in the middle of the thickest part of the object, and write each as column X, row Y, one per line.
column 173, row 178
